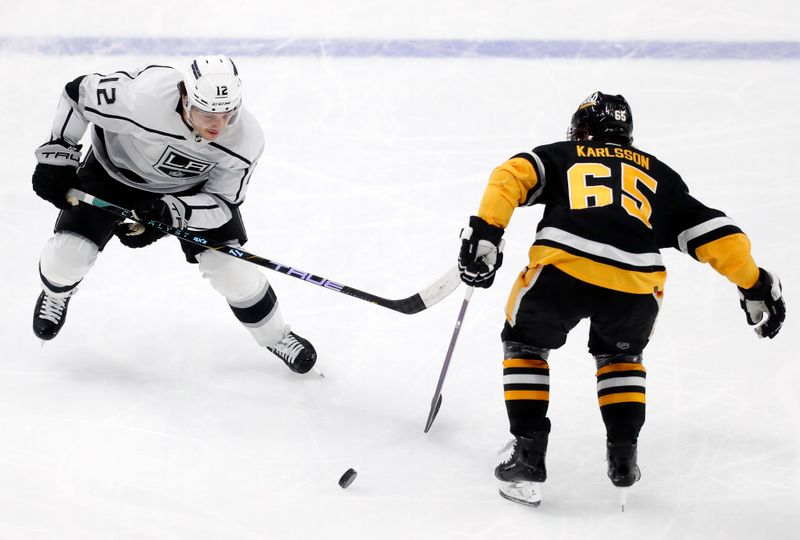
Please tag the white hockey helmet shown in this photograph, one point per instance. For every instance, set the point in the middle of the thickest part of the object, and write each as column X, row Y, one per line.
column 213, row 84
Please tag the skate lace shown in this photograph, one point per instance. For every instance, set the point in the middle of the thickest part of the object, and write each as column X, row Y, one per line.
column 288, row 347
column 52, row 308
column 507, row 452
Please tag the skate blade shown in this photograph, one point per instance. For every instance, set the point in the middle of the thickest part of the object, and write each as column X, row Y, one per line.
column 527, row 493
column 623, row 497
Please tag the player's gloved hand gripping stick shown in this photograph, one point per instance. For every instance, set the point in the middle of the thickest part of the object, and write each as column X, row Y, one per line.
column 481, row 253
column 480, row 256
column 415, row 303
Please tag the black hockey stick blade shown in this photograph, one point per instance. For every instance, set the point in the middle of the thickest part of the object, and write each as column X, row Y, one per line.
column 415, row 303
column 433, row 412
column 436, row 402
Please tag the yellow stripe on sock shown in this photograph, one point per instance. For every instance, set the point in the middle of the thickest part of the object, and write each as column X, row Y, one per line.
column 524, row 363
column 538, row 395
column 625, row 366
column 622, row 397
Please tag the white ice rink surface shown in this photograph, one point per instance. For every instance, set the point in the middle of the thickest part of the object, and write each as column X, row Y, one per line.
column 154, row 415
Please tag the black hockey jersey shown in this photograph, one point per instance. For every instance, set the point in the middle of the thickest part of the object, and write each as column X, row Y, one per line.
column 609, row 209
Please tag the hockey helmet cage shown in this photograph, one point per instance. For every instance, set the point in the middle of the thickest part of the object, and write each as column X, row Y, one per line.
column 213, row 84
column 603, row 117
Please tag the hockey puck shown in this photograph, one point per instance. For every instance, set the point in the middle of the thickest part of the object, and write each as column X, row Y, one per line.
column 347, row 478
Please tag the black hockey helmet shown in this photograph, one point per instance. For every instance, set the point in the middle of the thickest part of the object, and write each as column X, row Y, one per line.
column 602, row 117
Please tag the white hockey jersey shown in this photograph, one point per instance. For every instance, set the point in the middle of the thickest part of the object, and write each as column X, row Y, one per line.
column 141, row 140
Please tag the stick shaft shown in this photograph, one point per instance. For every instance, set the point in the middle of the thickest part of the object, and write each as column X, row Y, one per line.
column 436, row 401
column 413, row 304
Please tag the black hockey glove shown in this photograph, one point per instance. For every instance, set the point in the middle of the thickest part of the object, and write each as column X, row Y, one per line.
column 481, row 253
column 55, row 172
column 136, row 235
column 765, row 298
column 168, row 210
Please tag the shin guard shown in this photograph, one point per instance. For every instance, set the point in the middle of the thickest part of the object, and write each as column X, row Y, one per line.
column 248, row 293
column 621, row 395
column 526, row 387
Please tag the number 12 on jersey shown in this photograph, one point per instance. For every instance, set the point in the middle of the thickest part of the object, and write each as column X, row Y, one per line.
column 632, row 199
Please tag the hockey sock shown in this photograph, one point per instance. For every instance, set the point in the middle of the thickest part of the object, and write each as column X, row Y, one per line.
column 526, row 386
column 261, row 316
column 621, row 396
column 248, row 293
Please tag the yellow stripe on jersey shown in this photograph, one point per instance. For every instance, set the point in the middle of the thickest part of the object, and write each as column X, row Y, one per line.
column 730, row 256
column 620, row 366
column 596, row 273
column 521, row 286
column 624, row 397
column 508, row 187
column 538, row 395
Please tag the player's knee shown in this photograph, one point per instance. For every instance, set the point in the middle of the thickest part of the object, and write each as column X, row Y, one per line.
column 236, row 280
column 67, row 258
column 615, row 358
column 515, row 349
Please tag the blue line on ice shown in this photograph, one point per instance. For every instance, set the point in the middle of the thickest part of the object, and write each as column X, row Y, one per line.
column 406, row 48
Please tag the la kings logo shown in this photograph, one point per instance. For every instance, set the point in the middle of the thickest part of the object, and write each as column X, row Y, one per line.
column 178, row 164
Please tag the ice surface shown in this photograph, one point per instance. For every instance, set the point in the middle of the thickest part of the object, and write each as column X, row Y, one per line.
column 153, row 415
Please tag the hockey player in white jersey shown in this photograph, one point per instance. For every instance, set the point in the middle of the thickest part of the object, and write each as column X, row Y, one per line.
column 176, row 147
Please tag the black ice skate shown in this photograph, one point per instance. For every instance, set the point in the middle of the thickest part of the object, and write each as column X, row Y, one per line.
column 622, row 468
column 295, row 351
column 50, row 313
column 522, row 474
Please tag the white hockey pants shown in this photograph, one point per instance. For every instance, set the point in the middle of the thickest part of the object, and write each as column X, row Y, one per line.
column 248, row 294
column 68, row 257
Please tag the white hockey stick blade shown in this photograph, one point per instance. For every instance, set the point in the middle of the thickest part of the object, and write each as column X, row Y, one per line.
column 527, row 493
column 441, row 288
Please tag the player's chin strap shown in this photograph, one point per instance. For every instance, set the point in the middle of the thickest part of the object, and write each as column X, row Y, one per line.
column 415, row 303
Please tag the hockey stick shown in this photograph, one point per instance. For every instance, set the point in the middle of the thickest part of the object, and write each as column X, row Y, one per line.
column 436, row 402
column 415, row 303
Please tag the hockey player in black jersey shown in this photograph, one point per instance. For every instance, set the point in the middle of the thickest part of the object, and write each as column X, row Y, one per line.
column 176, row 147
column 609, row 209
